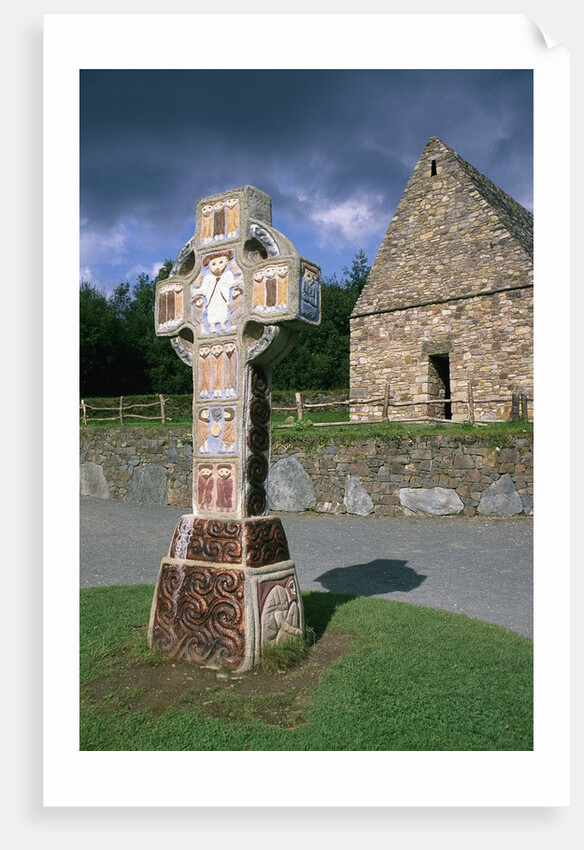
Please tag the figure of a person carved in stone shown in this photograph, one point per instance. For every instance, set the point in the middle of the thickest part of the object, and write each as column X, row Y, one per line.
column 230, row 369
column 205, row 485
column 204, row 371
column 224, row 487
column 215, row 284
column 217, row 370
column 228, row 435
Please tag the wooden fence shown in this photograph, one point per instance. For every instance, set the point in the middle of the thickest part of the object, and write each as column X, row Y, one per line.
column 123, row 411
column 519, row 407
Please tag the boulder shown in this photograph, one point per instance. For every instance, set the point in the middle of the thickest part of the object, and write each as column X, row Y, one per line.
column 501, row 498
column 357, row 500
column 92, row 481
column 148, row 486
column 290, row 487
column 438, row 501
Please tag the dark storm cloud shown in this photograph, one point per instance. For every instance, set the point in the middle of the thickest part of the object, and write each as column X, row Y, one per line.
column 334, row 150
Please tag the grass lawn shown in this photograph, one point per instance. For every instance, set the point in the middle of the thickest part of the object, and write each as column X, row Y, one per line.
column 377, row 675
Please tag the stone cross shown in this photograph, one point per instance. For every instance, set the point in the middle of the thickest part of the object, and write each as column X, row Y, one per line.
column 233, row 304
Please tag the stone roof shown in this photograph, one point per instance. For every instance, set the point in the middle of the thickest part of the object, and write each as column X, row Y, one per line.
column 454, row 234
column 517, row 220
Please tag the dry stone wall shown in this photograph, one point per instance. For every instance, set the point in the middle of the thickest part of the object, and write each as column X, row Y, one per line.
column 433, row 475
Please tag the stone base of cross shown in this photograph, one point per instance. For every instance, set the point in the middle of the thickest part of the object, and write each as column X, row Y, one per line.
column 235, row 300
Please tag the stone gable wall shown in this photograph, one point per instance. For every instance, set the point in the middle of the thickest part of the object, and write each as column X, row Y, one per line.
column 443, row 474
column 445, row 240
column 445, row 248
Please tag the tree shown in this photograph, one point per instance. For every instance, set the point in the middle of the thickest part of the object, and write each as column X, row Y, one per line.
column 356, row 278
column 98, row 342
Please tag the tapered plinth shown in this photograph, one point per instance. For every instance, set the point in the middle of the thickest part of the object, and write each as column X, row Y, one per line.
column 225, row 589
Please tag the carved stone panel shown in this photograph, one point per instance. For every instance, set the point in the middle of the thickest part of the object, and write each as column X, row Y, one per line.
column 198, row 614
column 211, row 540
column 280, row 613
column 266, row 542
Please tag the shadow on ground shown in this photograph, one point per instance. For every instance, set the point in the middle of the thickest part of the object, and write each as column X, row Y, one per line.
column 375, row 577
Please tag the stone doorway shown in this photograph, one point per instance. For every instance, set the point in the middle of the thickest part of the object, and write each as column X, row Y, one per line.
column 439, row 385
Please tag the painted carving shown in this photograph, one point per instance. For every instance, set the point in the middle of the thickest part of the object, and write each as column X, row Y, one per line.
column 170, row 306
column 309, row 291
column 217, row 370
column 212, row 540
column 220, row 221
column 232, row 217
column 199, row 615
column 265, row 542
column 270, row 289
column 280, row 613
column 207, row 224
column 216, row 430
column 216, row 487
column 217, row 293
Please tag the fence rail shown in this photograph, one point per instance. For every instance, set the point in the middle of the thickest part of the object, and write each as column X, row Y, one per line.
column 122, row 411
column 519, row 407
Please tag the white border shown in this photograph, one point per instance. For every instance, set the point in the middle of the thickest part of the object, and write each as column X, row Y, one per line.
column 109, row 779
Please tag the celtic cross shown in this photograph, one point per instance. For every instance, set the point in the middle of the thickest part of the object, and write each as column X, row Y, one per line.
column 233, row 304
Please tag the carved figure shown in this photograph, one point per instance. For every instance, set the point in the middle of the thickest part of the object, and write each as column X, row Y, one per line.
column 205, row 485
column 219, row 221
column 203, row 430
column 228, row 430
column 280, row 613
column 282, row 302
column 204, row 371
column 271, row 288
column 207, row 224
column 232, row 217
column 225, row 487
column 230, row 370
column 217, row 370
column 216, row 285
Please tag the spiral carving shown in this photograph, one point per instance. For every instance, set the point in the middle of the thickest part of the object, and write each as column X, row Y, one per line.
column 266, row 542
column 259, row 381
column 258, row 443
column 259, row 411
column 210, row 540
column 199, row 615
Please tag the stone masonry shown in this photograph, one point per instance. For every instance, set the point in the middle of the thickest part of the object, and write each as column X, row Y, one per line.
column 481, row 478
column 449, row 299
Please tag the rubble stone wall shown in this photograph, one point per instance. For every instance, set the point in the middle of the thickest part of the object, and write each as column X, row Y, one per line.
column 431, row 475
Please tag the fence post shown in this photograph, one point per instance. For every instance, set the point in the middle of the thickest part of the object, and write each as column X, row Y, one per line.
column 471, row 413
column 121, row 411
column 515, row 406
column 299, row 408
column 385, row 413
column 524, row 413
column 162, row 400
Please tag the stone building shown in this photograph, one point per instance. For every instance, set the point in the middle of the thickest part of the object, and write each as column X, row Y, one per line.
column 447, row 311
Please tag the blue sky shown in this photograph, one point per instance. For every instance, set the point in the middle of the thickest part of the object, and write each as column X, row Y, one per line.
column 333, row 148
